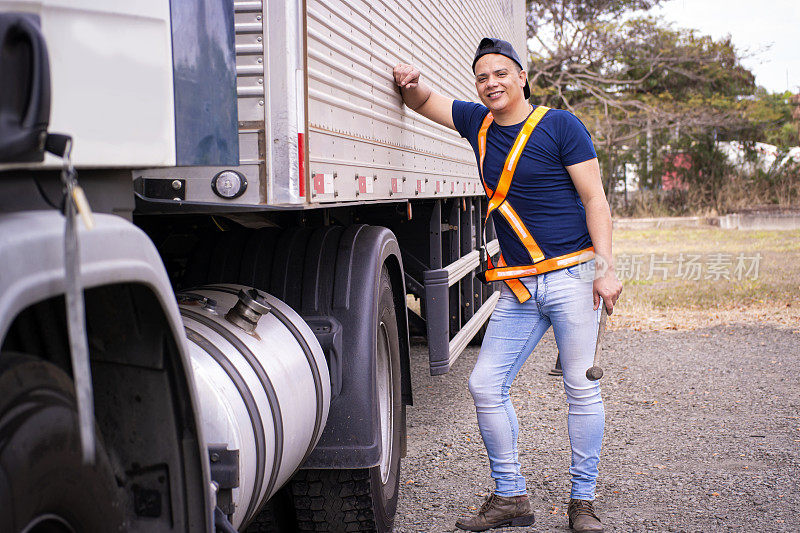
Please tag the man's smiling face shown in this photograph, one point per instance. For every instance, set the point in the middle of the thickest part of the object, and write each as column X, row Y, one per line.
column 499, row 82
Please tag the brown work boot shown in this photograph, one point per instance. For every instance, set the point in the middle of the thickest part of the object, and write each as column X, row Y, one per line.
column 499, row 511
column 582, row 517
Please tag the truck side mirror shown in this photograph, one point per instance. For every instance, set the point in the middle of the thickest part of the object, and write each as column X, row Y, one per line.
column 24, row 89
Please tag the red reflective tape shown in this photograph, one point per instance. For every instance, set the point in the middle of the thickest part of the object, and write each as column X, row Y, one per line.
column 366, row 184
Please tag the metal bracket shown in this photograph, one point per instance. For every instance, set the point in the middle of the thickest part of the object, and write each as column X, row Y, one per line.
column 328, row 332
column 161, row 188
column 442, row 350
column 225, row 473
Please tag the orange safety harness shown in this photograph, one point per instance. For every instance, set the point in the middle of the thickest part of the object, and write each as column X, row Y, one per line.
column 497, row 200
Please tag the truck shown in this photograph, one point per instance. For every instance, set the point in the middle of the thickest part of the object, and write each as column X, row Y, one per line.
column 219, row 230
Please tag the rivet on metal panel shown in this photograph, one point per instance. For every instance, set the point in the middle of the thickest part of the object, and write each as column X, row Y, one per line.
column 176, row 184
column 258, row 39
column 260, row 81
column 261, row 102
column 260, row 60
column 177, row 199
column 258, row 17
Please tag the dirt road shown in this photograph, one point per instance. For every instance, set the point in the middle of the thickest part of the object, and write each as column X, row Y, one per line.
column 702, row 434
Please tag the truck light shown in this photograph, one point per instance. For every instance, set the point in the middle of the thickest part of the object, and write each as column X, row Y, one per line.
column 229, row 184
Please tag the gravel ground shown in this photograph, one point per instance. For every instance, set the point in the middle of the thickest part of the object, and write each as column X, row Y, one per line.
column 702, row 434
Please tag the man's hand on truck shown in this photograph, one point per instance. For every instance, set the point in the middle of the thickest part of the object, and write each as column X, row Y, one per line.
column 421, row 98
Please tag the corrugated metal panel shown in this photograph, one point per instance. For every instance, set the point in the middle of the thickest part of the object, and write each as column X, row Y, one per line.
column 249, row 27
column 363, row 144
column 357, row 123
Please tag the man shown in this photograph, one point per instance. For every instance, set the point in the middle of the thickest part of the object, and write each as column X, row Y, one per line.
column 554, row 228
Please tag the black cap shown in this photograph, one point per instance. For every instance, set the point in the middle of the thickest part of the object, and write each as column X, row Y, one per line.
column 504, row 48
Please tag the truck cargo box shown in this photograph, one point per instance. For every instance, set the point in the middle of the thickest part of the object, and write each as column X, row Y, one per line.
column 320, row 118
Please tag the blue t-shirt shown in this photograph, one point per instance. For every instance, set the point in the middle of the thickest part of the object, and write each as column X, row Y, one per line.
column 541, row 192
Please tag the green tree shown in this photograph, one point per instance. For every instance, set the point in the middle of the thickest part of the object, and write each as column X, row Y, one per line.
column 633, row 79
column 769, row 117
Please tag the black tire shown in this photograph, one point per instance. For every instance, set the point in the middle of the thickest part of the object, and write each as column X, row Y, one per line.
column 276, row 516
column 318, row 500
column 359, row 499
column 44, row 485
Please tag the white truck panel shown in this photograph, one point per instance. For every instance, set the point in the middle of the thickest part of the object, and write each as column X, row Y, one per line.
column 320, row 72
column 111, row 75
column 356, row 121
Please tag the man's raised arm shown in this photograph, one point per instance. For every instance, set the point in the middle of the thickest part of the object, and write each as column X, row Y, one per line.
column 421, row 98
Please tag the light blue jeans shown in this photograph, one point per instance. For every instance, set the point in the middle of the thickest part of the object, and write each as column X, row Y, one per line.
column 563, row 299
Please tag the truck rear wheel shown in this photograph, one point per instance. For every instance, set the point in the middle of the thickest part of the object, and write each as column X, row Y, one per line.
column 321, row 272
column 44, row 485
column 363, row 499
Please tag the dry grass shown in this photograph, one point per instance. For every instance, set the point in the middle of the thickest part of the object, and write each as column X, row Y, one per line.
column 736, row 192
column 770, row 295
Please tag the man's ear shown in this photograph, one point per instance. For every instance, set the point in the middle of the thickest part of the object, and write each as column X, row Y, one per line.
column 523, row 77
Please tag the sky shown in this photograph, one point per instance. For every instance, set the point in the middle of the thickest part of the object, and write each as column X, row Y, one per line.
column 766, row 30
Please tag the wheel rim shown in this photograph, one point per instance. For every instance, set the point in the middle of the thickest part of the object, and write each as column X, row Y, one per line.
column 384, row 381
column 48, row 523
